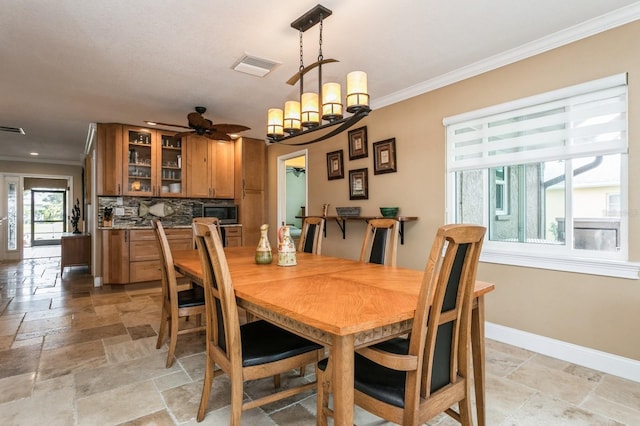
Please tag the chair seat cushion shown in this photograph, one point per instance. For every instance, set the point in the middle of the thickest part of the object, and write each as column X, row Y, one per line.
column 191, row 297
column 263, row 342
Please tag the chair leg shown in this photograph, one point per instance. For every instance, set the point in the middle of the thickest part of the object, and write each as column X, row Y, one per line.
column 173, row 340
column 236, row 401
column 323, row 385
column 276, row 381
column 163, row 328
column 465, row 411
column 209, row 374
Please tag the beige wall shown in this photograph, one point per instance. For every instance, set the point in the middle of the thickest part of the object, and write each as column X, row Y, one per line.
column 592, row 311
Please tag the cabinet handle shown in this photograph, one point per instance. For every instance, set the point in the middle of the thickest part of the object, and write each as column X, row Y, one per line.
column 118, row 189
column 126, row 236
column 243, row 189
column 213, row 192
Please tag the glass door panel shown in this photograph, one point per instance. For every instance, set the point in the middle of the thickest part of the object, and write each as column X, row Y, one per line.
column 48, row 216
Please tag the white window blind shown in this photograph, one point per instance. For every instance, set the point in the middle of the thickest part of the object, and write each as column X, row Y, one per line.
column 581, row 120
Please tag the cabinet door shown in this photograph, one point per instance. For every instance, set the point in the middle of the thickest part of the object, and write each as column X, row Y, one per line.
column 115, row 256
column 198, row 170
column 171, row 177
column 109, row 159
column 251, row 212
column 139, row 156
column 223, row 169
column 254, row 154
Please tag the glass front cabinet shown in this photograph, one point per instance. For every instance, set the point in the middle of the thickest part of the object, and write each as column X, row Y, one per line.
column 154, row 160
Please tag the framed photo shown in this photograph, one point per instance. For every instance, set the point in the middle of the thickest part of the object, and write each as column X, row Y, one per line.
column 358, row 143
column 384, row 156
column 359, row 184
column 335, row 165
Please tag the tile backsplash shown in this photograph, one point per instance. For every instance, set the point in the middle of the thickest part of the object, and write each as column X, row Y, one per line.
column 177, row 211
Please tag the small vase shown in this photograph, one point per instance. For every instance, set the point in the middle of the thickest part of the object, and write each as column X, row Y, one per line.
column 263, row 251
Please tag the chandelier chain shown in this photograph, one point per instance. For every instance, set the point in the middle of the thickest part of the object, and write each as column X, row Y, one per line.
column 320, row 57
column 301, row 55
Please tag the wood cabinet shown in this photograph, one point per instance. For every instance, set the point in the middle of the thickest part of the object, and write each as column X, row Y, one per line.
column 109, row 159
column 132, row 255
column 75, row 250
column 210, row 168
column 153, row 163
column 232, row 236
column 250, row 178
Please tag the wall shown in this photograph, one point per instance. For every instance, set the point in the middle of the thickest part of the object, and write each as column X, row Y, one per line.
column 591, row 311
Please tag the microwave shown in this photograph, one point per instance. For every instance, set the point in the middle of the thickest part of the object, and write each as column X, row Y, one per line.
column 226, row 213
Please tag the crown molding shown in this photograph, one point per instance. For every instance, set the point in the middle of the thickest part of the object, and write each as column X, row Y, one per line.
column 583, row 30
column 42, row 160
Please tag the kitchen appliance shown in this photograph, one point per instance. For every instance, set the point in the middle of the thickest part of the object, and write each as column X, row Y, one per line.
column 227, row 213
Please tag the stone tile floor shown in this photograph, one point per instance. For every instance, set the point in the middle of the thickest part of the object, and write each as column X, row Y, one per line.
column 73, row 354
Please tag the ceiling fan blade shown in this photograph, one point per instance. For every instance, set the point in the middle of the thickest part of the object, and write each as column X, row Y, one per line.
column 197, row 121
column 218, row 136
column 183, row 134
column 229, row 128
column 171, row 125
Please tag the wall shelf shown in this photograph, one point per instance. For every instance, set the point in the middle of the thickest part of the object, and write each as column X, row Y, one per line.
column 342, row 222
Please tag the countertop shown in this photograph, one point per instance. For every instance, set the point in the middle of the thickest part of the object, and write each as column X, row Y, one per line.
column 134, row 227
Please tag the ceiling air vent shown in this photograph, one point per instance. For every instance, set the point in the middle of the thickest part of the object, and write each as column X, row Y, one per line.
column 254, row 65
column 12, row 129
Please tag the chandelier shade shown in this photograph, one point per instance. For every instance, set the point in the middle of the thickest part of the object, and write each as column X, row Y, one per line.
column 324, row 109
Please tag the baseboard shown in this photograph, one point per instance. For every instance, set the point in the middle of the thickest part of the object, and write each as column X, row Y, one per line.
column 602, row 361
column 97, row 281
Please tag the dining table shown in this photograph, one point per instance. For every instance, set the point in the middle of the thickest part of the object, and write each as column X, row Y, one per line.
column 340, row 303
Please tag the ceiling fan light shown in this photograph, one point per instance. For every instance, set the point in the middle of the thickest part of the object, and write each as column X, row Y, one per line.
column 357, row 96
column 331, row 102
column 309, row 108
column 274, row 123
column 292, row 117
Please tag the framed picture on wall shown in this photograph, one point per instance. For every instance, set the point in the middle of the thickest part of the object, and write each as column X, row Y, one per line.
column 358, row 143
column 335, row 165
column 384, row 157
column 359, row 184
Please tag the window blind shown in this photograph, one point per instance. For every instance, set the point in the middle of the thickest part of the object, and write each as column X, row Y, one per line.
column 582, row 120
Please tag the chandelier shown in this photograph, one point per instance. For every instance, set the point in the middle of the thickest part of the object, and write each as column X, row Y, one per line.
column 307, row 114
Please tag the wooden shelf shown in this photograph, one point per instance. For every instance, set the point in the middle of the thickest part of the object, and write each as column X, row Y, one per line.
column 342, row 222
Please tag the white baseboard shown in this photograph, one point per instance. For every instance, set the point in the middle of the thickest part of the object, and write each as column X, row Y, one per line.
column 97, row 281
column 602, row 361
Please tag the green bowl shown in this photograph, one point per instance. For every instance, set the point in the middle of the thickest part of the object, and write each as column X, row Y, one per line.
column 389, row 211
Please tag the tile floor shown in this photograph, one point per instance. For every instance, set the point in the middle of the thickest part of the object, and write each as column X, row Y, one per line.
column 72, row 354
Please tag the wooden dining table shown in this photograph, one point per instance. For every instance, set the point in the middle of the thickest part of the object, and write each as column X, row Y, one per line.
column 339, row 303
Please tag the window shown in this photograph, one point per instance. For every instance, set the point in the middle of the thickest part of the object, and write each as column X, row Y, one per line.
column 547, row 176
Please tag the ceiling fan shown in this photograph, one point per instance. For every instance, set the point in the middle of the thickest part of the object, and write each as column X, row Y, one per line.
column 205, row 127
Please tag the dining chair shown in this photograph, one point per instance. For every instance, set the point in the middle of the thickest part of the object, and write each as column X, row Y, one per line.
column 176, row 302
column 410, row 380
column 207, row 221
column 380, row 242
column 244, row 352
column 311, row 235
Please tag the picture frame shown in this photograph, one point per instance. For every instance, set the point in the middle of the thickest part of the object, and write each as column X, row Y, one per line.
column 359, row 184
column 384, row 157
column 335, row 165
column 358, row 146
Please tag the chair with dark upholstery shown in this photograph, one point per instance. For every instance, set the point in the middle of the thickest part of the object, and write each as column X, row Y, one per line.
column 245, row 352
column 178, row 301
column 380, row 242
column 409, row 381
column 311, row 236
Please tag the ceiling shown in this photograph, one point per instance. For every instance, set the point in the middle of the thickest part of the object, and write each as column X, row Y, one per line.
column 69, row 63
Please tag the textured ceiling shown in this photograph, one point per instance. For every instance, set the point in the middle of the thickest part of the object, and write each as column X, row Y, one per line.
column 69, row 63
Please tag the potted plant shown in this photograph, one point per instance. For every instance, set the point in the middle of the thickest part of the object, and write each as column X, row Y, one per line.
column 75, row 216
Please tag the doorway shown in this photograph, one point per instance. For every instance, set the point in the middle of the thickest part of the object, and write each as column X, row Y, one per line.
column 44, row 216
column 292, row 190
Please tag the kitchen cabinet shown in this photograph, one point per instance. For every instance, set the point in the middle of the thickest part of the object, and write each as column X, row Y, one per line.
column 250, row 193
column 131, row 256
column 232, row 236
column 139, row 161
column 153, row 162
column 210, row 168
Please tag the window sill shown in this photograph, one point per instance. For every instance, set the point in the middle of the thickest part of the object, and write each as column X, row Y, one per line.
column 608, row 268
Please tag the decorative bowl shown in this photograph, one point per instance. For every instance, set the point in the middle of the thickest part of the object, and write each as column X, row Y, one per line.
column 389, row 211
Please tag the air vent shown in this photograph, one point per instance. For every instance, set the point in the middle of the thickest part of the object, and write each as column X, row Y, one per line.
column 12, row 129
column 255, row 66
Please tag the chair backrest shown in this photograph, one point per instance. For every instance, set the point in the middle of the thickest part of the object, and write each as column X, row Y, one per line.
column 223, row 323
column 168, row 272
column 311, row 237
column 380, row 242
column 442, row 325
column 207, row 221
